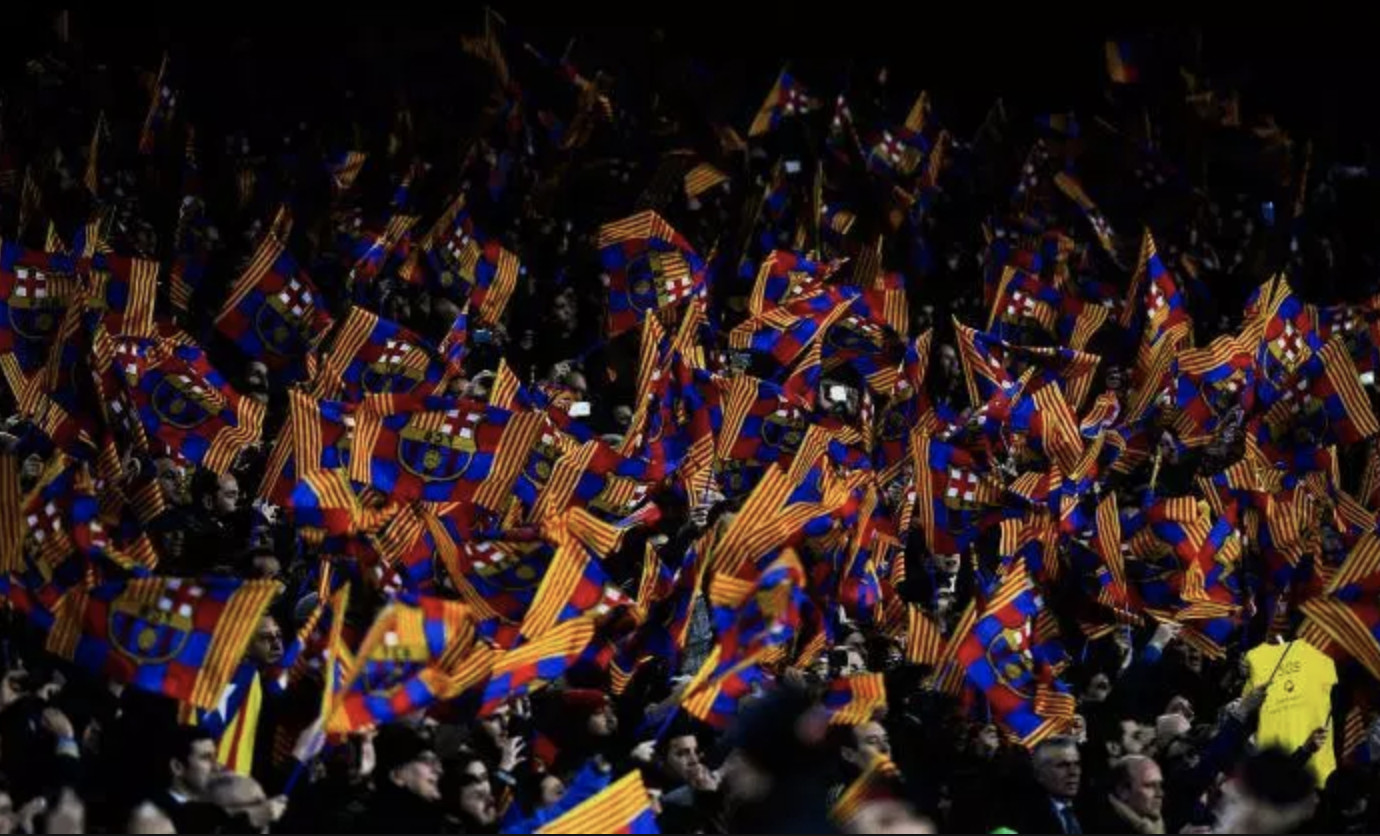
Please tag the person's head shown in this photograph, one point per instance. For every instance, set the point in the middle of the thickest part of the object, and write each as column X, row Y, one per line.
column 1058, row 768
column 1269, row 793
column 473, row 794
column 494, row 725
column 241, row 797
column 622, row 417
column 266, row 647
column 192, row 761
column 148, row 818
column 986, row 741
column 265, row 564
column 1099, row 688
column 681, row 756
column 866, row 742
column 7, row 817
column 256, row 381
column 172, row 481
column 888, row 815
column 550, row 789
column 217, row 495
column 948, row 362
column 1129, row 738
column 407, row 761
column 1192, row 657
column 1137, row 783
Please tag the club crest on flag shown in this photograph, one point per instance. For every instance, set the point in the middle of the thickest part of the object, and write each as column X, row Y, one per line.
column 34, row 310
column 1289, row 346
column 893, row 425
column 442, row 454
column 853, row 333
column 783, row 429
column 1008, row 652
column 183, row 403
column 150, row 633
column 392, row 662
column 961, row 489
column 391, row 373
column 282, row 323
column 1224, row 394
column 505, row 569
column 734, row 476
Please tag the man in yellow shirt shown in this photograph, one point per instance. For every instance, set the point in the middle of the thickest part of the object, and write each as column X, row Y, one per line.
column 1298, row 700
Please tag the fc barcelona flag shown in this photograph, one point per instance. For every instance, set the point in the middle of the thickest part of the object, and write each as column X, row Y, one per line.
column 1002, row 659
column 623, row 807
column 404, row 662
column 180, row 404
column 179, row 637
column 786, row 99
column 372, row 355
column 317, row 436
column 449, row 451
column 274, row 313
column 34, row 294
column 461, row 255
column 852, row 700
column 649, row 267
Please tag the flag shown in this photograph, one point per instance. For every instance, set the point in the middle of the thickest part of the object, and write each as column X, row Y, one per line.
column 343, row 168
column 318, row 435
column 463, row 253
column 370, row 354
column 404, row 662
column 880, row 780
column 274, row 312
column 448, row 451
column 179, row 637
column 1001, row 658
column 33, row 299
column 622, row 807
column 853, row 700
column 649, row 267
column 786, row 99
column 162, row 104
column 1121, row 65
column 175, row 401
column 537, row 663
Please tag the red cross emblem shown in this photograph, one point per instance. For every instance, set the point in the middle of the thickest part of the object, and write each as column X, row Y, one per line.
column 962, row 487
column 891, row 148
column 1157, row 300
column 295, row 298
column 30, row 284
column 792, row 101
column 1289, row 347
column 46, row 520
column 395, row 352
column 1020, row 305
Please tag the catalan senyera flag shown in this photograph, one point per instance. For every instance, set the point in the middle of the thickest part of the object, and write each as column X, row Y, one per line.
column 181, row 404
column 622, row 807
column 180, row 637
column 649, row 266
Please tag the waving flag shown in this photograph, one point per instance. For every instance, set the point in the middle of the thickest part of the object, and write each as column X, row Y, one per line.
column 852, row 700
column 786, row 99
column 650, row 267
column 274, row 312
column 451, row 451
column 622, row 807
column 162, row 104
column 404, row 662
column 370, row 354
column 34, row 293
column 463, row 256
column 537, row 663
column 182, row 638
column 1000, row 656
column 175, row 400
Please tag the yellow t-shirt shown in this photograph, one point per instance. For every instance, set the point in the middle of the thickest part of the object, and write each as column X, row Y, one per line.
column 1299, row 699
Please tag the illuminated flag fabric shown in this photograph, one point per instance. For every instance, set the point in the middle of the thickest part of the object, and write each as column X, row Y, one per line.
column 1121, row 65
column 177, row 403
column 179, row 637
column 649, row 267
column 404, row 662
column 33, row 297
column 372, row 355
column 274, row 312
column 162, row 105
column 852, row 700
column 623, row 807
column 451, row 451
column 462, row 257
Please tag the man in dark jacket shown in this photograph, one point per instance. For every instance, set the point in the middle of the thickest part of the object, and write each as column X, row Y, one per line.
column 408, row 785
column 1049, row 805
